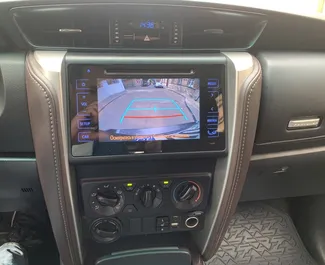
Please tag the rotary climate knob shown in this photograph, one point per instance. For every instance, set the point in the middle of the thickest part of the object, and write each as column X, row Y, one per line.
column 187, row 191
column 150, row 196
column 147, row 197
column 107, row 200
column 187, row 195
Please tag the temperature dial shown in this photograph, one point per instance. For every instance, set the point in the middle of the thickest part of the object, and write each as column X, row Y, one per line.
column 150, row 196
column 187, row 195
column 107, row 199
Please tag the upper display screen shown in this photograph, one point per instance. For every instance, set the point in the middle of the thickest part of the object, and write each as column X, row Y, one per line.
column 115, row 110
column 152, row 33
column 148, row 109
column 148, row 24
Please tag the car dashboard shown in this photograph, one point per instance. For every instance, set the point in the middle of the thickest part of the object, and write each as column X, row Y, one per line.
column 143, row 124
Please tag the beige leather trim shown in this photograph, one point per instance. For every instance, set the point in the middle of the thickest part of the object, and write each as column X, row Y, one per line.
column 231, row 171
column 44, row 116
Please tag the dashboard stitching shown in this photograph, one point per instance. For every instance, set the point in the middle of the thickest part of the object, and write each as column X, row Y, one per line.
column 241, row 156
column 54, row 156
column 242, row 148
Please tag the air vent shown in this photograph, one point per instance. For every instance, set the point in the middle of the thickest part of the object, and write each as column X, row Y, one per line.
column 222, row 30
column 27, row 190
column 52, row 28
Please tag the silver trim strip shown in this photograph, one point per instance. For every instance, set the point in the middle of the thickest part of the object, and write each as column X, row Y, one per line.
column 299, row 124
column 70, row 30
column 52, row 64
column 190, row 73
column 214, row 31
column 237, row 70
column 13, row 159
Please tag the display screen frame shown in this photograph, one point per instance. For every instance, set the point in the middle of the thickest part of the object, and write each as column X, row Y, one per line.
column 204, row 144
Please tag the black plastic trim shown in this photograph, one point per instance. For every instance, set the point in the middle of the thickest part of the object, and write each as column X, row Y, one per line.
column 292, row 89
column 20, row 187
column 285, row 174
column 15, row 130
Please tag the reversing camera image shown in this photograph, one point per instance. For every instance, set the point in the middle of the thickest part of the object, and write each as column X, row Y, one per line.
column 148, row 109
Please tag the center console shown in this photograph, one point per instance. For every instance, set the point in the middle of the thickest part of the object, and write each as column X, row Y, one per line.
column 138, row 107
column 143, row 150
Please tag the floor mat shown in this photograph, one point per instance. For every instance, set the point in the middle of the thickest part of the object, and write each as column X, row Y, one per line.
column 40, row 254
column 261, row 235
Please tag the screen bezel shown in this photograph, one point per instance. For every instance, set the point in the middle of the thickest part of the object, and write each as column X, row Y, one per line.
column 202, row 145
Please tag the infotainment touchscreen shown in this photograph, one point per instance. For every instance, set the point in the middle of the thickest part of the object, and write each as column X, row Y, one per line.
column 115, row 114
column 148, row 109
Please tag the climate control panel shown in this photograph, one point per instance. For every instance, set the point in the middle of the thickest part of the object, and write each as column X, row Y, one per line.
column 117, row 207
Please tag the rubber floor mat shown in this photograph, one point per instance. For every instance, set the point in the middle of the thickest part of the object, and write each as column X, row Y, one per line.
column 259, row 234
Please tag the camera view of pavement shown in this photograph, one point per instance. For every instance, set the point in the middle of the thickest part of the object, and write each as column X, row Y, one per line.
column 149, row 110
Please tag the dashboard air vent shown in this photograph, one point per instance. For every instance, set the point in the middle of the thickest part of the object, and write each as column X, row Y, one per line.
column 27, row 190
column 49, row 28
column 222, row 30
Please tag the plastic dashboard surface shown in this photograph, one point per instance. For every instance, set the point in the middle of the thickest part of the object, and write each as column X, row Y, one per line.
column 291, row 91
column 278, row 44
column 15, row 131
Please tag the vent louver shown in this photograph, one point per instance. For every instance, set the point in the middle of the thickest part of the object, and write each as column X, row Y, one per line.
column 27, row 190
column 223, row 30
column 51, row 29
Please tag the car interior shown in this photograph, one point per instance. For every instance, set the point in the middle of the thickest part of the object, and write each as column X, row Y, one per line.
column 179, row 132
